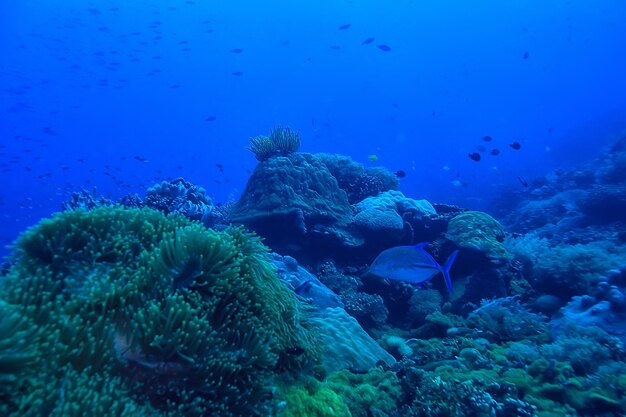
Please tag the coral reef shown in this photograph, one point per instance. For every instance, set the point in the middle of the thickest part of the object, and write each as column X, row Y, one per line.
column 565, row 270
column 606, row 310
column 505, row 319
column 114, row 311
column 356, row 180
column 293, row 200
column 391, row 219
column 179, row 196
column 86, row 200
column 480, row 233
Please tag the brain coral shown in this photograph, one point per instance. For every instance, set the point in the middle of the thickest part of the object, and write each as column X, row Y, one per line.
column 150, row 311
column 480, row 232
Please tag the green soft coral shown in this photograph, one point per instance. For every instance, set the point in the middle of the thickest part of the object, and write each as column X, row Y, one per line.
column 373, row 394
column 311, row 400
column 186, row 320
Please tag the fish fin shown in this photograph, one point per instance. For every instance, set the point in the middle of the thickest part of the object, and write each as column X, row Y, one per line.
column 420, row 247
column 445, row 270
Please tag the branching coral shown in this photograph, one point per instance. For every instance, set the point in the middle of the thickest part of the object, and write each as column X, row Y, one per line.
column 281, row 141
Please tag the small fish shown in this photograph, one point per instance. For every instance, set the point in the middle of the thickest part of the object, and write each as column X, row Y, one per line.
column 400, row 173
column 237, row 73
column 487, row 138
column 516, row 145
column 411, row 264
column 474, row 156
column 481, row 148
column 373, row 157
column 236, row 50
column 346, row 26
column 495, row 152
column 220, row 167
column 367, row 41
column 335, row 47
column 523, row 181
column 458, row 183
column 525, row 55
column 383, row 47
column 211, row 119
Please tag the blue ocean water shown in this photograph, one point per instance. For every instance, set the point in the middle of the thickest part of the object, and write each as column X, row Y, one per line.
column 508, row 107
column 88, row 86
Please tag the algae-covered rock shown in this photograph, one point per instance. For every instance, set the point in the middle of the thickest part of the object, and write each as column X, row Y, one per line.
column 478, row 231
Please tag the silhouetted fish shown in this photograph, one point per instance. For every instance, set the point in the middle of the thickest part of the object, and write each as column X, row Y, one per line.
column 400, row 173
column 385, row 48
column 474, row 156
column 346, row 26
column 516, row 145
column 367, row 41
column 411, row 264
column 523, row 181
column 495, row 152
column 481, row 148
column 236, row 50
column 525, row 55
column 211, row 119
column 487, row 138
column 237, row 73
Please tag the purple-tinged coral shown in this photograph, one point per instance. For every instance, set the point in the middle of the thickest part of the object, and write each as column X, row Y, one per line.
column 86, row 201
column 506, row 319
column 606, row 310
column 179, row 196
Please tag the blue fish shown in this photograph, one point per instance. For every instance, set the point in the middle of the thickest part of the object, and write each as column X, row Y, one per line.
column 411, row 264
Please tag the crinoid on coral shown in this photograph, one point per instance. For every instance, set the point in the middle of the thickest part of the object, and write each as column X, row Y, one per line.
column 281, row 141
column 152, row 310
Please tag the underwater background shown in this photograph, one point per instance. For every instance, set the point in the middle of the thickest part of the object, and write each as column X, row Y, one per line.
column 353, row 208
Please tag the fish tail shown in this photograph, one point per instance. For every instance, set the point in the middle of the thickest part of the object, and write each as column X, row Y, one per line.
column 445, row 270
